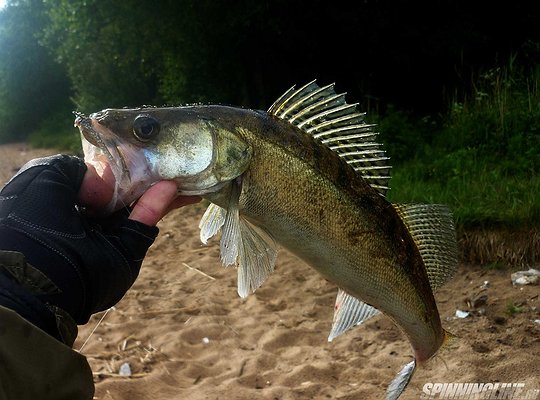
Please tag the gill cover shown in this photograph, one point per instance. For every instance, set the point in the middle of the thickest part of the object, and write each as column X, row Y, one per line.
column 232, row 155
column 200, row 155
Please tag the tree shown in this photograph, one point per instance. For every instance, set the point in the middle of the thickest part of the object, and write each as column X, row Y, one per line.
column 108, row 48
column 32, row 85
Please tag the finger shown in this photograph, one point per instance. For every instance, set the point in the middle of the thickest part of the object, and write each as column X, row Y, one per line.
column 154, row 203
column 182, row 201
column 96, row 191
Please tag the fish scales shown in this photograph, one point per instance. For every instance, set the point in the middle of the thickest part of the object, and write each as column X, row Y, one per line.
column 308, row 175
column 318, row 207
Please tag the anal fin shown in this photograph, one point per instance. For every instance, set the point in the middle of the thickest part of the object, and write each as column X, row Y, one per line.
column 348, row 313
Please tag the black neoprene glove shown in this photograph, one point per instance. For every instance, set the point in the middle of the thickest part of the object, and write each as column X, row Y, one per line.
column 89, row 262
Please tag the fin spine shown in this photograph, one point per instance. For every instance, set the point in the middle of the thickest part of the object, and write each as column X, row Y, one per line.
column 324, row 114
column 345, row 108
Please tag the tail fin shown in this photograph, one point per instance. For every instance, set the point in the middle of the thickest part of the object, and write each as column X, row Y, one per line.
column 400, row 382
column 402, row 379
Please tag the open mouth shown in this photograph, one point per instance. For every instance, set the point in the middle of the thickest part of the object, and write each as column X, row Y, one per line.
column 98, row 143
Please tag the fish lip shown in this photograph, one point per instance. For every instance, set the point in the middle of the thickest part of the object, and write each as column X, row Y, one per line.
column 84, row 124
column 103, row 141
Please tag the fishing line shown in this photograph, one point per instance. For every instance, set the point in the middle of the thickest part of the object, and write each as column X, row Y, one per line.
column 95, row 327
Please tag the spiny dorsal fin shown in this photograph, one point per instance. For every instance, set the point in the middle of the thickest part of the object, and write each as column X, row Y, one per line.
column 325, row 114
column 432, row 229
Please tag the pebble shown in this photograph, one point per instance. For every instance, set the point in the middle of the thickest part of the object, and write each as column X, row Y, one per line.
column 528, row 277
column 125, row 370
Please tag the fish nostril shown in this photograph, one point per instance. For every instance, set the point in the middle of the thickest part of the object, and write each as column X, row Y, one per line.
column 79, row 118
column 98, row 116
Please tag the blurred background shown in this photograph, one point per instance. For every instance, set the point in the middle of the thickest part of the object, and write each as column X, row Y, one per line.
column 452, row 85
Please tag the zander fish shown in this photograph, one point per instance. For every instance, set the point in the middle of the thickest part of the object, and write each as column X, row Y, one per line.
column 308, row 175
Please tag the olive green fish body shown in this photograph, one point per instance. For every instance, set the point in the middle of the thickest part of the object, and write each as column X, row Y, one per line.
column 315, row 205
column 308, row 175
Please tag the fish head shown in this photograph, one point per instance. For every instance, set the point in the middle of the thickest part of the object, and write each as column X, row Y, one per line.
column 145, row 145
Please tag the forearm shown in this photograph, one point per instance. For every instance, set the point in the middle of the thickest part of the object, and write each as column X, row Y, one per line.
column 24, row 290
column 37, row 366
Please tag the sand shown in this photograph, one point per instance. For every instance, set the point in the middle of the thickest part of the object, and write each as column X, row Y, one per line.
column 186, row 334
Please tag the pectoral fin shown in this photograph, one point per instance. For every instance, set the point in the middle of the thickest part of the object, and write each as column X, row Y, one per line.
column 251, row 249
column 211, row 222
column 349, row 312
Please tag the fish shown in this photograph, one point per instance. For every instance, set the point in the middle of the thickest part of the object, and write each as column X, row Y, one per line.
column 307, row 175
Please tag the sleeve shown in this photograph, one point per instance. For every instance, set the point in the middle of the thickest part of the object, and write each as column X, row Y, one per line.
column 34, row 365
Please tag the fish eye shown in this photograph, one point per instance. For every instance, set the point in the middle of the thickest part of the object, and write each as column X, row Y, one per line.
column 145, row 127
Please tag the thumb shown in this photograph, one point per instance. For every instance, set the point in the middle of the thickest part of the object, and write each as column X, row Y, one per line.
column 154, row 203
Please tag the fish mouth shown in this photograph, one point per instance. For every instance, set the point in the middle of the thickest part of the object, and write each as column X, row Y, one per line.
column 103, row 143
column 102, row 150
column 85, row 127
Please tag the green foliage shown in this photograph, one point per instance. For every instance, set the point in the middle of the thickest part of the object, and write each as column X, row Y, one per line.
column 57, row 131
column 485, row 159
column 513, row 309
column 404, row 135
column 130, row 53
column 479, row 196
column 109, row 49
column 31, row 84
column 500, row 118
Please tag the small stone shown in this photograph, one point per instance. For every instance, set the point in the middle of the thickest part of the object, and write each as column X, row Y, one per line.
column 528, row 277
column 125, row 370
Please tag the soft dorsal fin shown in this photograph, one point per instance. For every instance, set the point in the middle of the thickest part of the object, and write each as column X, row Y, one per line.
column 432, row 229
column 325, row 115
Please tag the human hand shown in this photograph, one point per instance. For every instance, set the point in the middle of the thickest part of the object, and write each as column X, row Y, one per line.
column 96, row 192
column 91, row 261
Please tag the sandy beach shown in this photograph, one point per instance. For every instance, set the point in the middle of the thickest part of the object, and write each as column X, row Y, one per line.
column 186, row 334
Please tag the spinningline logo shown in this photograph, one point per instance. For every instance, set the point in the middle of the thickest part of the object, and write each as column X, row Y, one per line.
column 479, row 391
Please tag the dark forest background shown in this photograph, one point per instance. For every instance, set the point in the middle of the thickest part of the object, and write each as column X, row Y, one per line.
column 453, row 85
